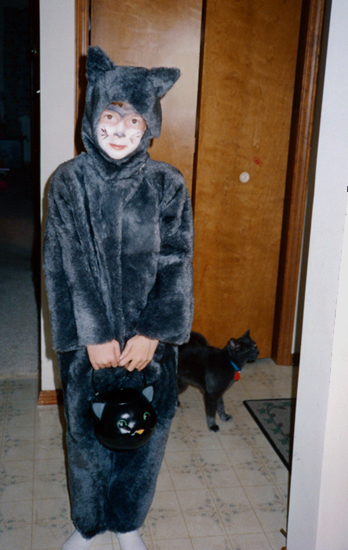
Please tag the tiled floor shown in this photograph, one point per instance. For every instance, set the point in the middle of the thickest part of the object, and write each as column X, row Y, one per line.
column 216, row 491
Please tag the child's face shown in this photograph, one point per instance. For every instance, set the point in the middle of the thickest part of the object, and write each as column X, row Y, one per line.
column 120, row 130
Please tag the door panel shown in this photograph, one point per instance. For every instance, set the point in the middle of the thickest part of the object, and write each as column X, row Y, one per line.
column 249, row 65
column 154, row 34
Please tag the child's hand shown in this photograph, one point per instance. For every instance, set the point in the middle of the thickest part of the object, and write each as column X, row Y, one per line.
column 138, row 352
column 106, row 355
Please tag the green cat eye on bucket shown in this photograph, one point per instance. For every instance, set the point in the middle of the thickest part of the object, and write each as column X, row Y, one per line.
column 123, row 418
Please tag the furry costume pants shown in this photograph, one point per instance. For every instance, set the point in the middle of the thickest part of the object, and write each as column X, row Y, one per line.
column 113, row 490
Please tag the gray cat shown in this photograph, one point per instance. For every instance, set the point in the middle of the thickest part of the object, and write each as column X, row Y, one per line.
column 213, row 370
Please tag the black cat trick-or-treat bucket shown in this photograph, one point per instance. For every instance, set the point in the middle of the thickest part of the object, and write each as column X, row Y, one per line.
column 124, row 419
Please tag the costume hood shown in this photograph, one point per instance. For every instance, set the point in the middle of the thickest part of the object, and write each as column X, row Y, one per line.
column 142, row 88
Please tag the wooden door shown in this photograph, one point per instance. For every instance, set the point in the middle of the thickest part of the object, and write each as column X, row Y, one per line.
column 153, row 34
column 248, row 75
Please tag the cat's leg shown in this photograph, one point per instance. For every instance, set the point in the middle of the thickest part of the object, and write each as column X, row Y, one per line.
column 221, row 411
column 182, row 386
column 210, row 410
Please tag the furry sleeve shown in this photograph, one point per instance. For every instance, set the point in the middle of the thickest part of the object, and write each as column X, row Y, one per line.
column 78, row 315
column 169, row 311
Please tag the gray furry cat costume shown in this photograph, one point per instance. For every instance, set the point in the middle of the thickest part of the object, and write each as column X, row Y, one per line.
column 118, row 262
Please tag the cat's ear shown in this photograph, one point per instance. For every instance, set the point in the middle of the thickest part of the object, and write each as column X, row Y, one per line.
column 162, row 79
column 97, row 63
column 148, row 392
column 234, row 344
column 247, row 334
column 98, row 409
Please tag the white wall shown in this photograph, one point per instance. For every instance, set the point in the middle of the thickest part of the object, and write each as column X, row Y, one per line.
column 319, row 487
column 57, row 74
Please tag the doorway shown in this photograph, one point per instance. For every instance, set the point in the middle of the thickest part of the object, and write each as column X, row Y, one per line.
column 19, row 188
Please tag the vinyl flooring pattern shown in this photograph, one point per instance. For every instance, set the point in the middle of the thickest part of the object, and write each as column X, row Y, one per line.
column 216, row 491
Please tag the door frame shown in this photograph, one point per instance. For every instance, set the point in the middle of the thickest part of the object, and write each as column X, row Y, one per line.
column 301, row 133
column 82, row 41
column 298, row 161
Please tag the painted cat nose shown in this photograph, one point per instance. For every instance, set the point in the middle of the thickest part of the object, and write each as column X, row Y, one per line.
column 140, row 431
column 119, row 130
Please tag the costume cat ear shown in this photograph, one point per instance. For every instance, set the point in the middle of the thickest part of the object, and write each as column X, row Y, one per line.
column 98, row 409
column 97, row 63
column 148, row 392
column 162, row 79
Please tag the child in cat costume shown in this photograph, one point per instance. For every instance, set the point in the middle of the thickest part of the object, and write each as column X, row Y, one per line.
column 118, row 267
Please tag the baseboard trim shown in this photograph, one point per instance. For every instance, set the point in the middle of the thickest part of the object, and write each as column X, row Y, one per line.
column 50, row 397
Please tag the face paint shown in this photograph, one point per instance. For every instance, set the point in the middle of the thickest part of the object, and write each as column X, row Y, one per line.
column 120, row 130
